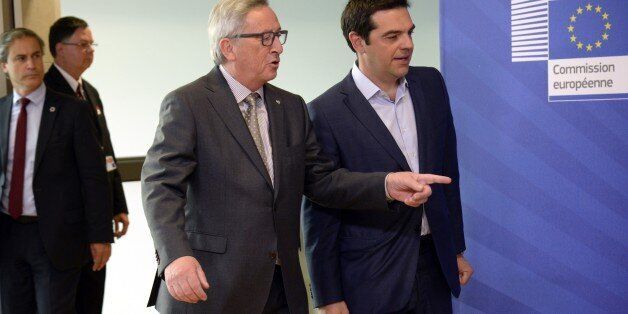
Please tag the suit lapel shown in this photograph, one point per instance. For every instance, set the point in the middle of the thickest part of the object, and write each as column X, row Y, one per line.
column 57, row 82
column 276, row 116
column 48, row 116
column 420, row 112
column 223, row 101
column 5, row 122
column 365, row 113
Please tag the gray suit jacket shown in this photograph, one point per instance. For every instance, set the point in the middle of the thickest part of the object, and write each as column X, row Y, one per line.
column 207, row 194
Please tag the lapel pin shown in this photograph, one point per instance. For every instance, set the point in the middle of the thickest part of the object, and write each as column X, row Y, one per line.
column 278, row 102
column 53, row 109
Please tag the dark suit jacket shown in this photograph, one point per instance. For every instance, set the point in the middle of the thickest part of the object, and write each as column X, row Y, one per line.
column 207, row 194
column 57, row 82
column 69, row 183
column 370, row 259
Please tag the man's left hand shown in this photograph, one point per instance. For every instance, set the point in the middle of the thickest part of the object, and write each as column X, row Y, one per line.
column 411, row 188
column 118, row 219
column 100, row 254
column 464, row 270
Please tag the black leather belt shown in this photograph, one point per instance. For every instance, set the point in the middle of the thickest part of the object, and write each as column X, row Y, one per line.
column 23, row 219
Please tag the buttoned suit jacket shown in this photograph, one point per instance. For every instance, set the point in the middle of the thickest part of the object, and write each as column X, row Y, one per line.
column 55, row 80
column 207, row 194
column 69, row 180
column 369, row 260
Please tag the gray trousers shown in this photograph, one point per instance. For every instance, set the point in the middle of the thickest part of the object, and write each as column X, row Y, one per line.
column 28, row 281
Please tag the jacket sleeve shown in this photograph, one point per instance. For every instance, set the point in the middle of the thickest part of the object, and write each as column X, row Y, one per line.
column 93, row 177
column 169, row 162
column 329, row 186
column 321, row 227
column 450, row 169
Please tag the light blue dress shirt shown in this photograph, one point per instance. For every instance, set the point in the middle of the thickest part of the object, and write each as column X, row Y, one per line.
column 398, row 117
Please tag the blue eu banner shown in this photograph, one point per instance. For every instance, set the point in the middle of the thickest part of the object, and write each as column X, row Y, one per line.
column 588, row 50
column 580, row 29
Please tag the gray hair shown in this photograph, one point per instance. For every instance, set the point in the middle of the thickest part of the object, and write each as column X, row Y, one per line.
column 227, row 19
column 7, row 38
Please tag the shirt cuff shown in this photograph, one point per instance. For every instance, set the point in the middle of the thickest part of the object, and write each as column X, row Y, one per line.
column 389, row 199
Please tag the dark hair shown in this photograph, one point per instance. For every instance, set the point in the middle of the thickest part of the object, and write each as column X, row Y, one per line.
column 7, row 38
column 357, row 16
column 63, row 29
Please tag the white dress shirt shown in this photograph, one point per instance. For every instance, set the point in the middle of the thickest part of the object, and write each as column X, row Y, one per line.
column 34, row 112
column 398, row 116
column 240, row 92
column 73, row 83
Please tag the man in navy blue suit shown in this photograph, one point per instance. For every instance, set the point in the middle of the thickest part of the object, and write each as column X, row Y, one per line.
column 387, row 116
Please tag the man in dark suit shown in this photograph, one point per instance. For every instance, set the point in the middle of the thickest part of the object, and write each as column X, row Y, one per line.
column 223, row 181
column 72, row 46
column 55, row 209
column 386, row 116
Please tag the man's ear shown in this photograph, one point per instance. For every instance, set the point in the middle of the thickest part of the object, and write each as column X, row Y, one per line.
column 357, row 42
column 59, row 48
column 227, row 48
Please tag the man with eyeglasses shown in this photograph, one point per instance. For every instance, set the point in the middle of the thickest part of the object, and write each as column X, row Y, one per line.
column 223, row 181
column 72, row 46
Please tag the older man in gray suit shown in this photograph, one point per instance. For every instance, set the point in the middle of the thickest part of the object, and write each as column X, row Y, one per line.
column 223, row 181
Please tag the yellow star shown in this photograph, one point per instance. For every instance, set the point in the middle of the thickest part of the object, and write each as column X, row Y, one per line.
column 572, row 18
column 579, row 10
column 605, row 36
column 579, row 45
column 607, row 25
column 570, row 28
column 589, row 7
column 605, row 16
column 589, row 47
column 598, row 44
column 573, row 38
column 598, row 9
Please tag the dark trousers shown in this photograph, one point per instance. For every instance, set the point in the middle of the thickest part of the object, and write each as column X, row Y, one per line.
column 431, row 293
column 28, row 281
column 91, row 290
column 277, row 302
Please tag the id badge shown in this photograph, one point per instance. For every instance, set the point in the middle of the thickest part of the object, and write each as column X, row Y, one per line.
column 111, row 164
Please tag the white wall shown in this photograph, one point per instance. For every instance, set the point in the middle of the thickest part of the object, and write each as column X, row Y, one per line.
column 150, row 47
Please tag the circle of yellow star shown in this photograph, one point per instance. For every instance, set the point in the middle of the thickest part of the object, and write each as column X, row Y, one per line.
column 572, row 27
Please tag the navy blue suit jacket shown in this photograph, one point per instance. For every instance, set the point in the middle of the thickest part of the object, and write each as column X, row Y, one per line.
column 369, row 259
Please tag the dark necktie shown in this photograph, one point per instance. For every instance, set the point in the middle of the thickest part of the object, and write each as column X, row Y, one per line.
column 19, row 155
column 79, row 92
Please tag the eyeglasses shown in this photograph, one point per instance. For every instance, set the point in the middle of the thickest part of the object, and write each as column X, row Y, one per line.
column 83, row 45
column 267, row 38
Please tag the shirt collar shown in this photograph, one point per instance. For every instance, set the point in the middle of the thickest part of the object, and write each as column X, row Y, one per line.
column 239, row 91
column 73, row 83
column 36, row 97
column 369, row 89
